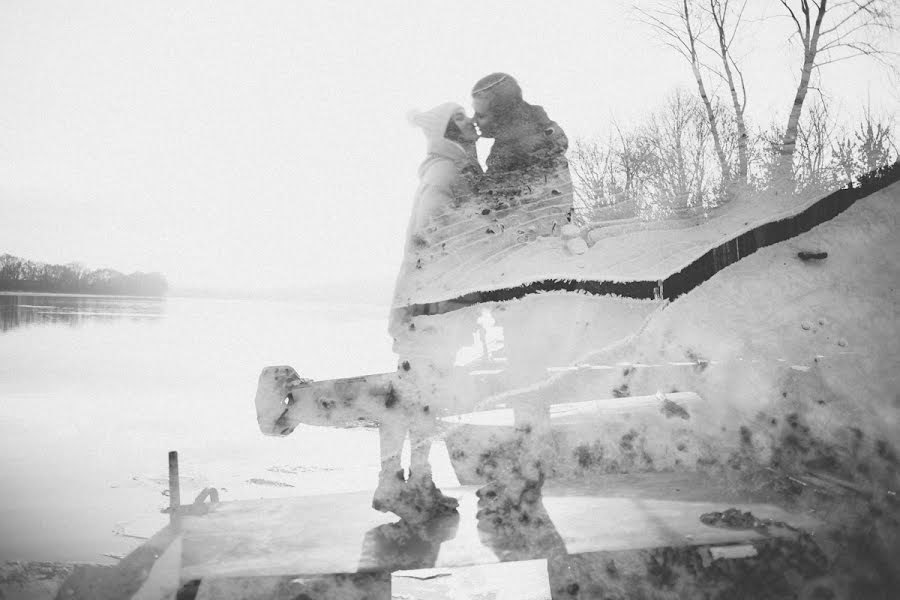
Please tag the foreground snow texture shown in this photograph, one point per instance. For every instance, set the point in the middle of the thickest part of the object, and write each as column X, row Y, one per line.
column 791, row 359
column 794, row 363
column 776, row 378
column 514, row 233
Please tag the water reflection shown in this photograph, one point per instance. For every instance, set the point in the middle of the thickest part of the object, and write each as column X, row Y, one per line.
column 404, row 545
column 513, row 522
column 22, row 310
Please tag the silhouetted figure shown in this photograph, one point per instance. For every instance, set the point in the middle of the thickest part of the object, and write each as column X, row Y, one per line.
column 451, row 136
column 512, row 519
column 529, row 154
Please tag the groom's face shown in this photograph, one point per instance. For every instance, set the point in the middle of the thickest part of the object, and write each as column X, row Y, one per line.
column 484, row 116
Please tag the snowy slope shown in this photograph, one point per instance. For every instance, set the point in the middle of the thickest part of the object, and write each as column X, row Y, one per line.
column 804, row 354
column 638, row 252
column 795, row 361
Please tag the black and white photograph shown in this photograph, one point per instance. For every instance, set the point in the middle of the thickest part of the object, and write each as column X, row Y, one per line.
column 449, row 300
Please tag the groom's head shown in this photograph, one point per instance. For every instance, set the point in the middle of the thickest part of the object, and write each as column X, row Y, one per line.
column 494, row 97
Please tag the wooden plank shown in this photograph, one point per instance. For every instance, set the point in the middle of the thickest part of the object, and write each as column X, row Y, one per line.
column 358, row 586
column 163, row 581
column 284, row 400
column 521, row 580
column 577, row 439
column 576, row 413
column 342, row 534
column 99, row 582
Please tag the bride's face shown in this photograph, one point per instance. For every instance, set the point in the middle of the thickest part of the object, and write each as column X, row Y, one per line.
column 466, row 126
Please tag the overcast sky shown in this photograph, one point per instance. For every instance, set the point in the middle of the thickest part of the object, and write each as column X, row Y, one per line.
column 264, row 144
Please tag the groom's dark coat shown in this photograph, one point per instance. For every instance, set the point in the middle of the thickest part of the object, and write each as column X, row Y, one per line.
column 528, row 138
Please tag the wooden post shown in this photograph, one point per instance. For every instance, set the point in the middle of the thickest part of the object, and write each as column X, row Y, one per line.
column 174, row 486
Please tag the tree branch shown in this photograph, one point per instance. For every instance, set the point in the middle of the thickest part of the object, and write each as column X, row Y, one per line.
column 665, row 29
column 794, row 17
column 876, row 54
column 737, row 23
column 859, row 8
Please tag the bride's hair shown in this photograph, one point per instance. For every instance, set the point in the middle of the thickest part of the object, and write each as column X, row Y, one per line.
column 453, row 133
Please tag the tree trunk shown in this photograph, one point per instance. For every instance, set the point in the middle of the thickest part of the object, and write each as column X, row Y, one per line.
column 738, row 108
column 710, row 114
column 810, row 47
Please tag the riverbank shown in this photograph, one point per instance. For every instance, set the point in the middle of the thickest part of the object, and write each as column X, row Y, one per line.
column 21, row 580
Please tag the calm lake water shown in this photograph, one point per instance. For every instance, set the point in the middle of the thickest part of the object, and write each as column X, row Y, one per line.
column 94, row 391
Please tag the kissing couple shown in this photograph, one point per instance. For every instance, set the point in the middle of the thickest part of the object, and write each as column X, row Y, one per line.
column 525, row 139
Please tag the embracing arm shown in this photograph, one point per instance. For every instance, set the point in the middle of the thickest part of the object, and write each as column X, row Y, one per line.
column 558, row 143
column 554, row 142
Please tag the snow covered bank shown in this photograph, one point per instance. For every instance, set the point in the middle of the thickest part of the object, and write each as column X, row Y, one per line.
column 32, row 580
column 801, row 356
column 798, row 362
column 796, row 365
column 633, row 259
column 794, row 360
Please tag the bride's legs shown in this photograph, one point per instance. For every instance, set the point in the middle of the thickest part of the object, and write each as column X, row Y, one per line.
column 391, row 435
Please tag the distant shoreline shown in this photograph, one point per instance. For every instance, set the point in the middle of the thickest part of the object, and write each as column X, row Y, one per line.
column 78, row 295
column 210, row 296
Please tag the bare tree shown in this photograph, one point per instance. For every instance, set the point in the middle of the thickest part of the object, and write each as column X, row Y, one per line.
column 721, row 15
column 827, row 155
column 830, row 32
column 683, row 35
column 10, row 267
column 844, row 153
column 591, row 165
column 874, row 143
column 666, row 165
column 609, row 178
column 815, row 167
column 869, row 147
column 633, row 154
column 677, row 173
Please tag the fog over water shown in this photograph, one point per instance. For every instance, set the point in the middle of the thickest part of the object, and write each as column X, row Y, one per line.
column 94, row 391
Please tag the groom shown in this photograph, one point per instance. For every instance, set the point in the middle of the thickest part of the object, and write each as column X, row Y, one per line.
column 528, row 147
column 524, row 136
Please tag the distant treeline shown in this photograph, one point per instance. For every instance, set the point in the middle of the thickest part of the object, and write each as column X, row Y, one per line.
column 23, row 275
